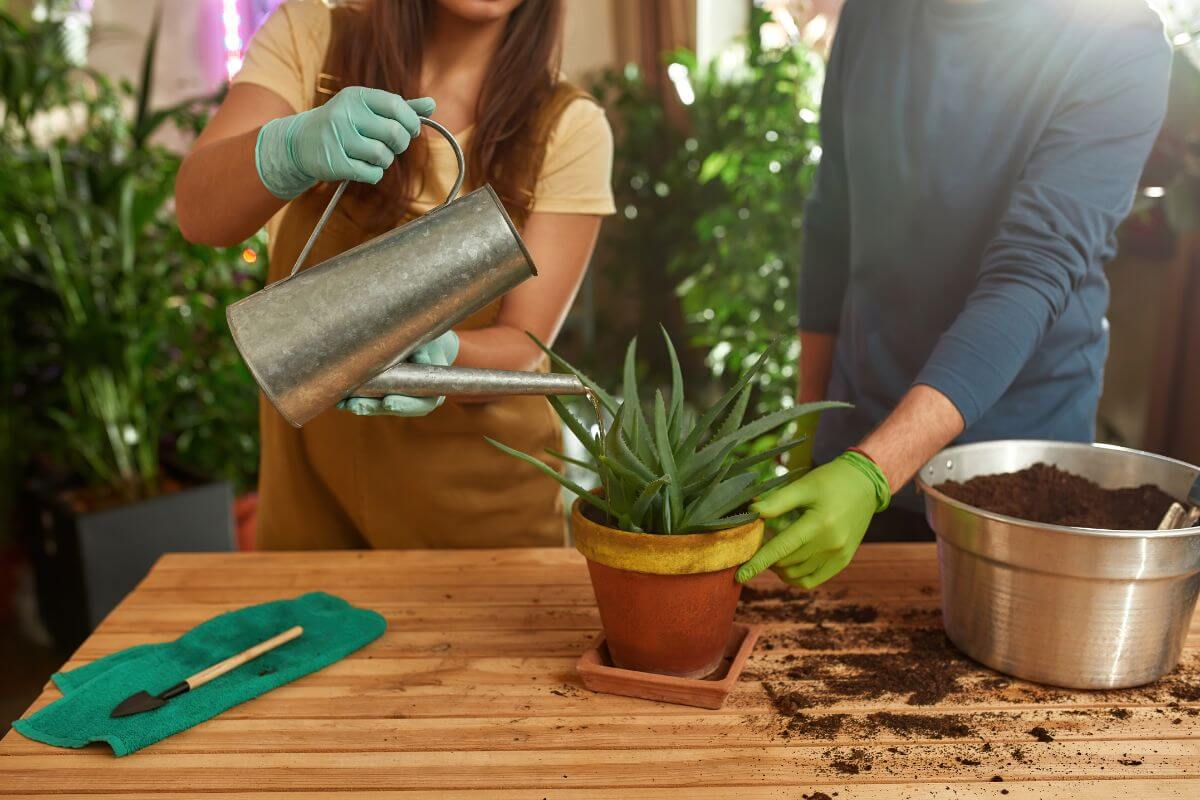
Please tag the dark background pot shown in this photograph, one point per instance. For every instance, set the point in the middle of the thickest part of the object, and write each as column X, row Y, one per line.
column 85, row 562
column 668, row 624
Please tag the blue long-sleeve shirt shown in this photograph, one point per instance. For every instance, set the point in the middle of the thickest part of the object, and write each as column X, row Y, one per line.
column 977, row 158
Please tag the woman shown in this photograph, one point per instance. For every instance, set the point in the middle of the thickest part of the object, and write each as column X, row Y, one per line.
column 321, row 97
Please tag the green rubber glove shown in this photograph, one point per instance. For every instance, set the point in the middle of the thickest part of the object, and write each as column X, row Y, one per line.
column 839, row 499
column 441, row 351
column 801, row 456
column 354, row 136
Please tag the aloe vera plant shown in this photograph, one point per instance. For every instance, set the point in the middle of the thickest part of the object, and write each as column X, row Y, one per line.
column 671, row 470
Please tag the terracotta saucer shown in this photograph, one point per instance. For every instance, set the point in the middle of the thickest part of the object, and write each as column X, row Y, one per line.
column 600, row 676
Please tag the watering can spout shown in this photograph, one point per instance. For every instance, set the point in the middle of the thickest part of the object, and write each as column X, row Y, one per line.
column 427, row 380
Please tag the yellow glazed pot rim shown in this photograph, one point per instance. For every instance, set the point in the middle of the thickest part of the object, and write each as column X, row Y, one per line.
column 659, row 554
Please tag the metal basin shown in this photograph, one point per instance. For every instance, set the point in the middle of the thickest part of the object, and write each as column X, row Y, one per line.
column 1073, row 607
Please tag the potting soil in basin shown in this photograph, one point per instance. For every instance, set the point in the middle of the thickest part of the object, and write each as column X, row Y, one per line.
column 1046, row 494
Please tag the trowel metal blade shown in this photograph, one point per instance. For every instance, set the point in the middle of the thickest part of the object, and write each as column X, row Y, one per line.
column 136, row 704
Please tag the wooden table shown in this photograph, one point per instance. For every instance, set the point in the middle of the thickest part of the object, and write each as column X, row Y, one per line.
column 472, row 694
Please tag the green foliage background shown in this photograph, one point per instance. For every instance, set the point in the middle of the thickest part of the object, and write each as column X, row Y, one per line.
column 710, row 208
column 115, row 349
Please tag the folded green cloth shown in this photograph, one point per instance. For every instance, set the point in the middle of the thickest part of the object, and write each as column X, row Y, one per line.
column 332, row 630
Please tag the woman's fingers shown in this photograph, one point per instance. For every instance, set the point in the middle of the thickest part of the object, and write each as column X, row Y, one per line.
column 362, row 406
column 365, row 149
column 390, row 133
column 424, row 106
column 392, row 106
column 405, row 406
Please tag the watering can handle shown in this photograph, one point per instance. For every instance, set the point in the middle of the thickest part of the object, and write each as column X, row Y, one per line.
column 341, row 189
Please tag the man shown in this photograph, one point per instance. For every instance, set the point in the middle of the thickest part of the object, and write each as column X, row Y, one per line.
column 978, row 156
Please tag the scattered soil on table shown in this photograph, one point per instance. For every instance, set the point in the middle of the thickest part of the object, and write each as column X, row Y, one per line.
column 1047, row 494
column 820, row 654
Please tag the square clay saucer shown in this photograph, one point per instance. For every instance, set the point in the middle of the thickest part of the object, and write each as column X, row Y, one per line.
column 599, row 675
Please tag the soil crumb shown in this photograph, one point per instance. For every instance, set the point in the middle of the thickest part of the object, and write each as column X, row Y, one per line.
column 1047, row 494
column 1041, row 734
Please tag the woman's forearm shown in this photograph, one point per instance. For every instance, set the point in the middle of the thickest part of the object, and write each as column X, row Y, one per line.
column 219, row 199
column 497, row 347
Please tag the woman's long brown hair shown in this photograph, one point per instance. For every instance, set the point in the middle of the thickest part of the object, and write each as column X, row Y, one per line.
column 379, row 43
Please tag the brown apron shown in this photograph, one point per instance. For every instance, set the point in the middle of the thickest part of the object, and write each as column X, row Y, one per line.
column 344, row 481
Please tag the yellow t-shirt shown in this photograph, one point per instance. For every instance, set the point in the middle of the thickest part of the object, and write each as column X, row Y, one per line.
column 286, row 56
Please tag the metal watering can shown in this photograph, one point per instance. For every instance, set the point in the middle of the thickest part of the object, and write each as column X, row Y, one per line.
column 340, row 328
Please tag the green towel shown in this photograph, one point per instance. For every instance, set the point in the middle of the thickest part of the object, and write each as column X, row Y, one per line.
column 332, row 630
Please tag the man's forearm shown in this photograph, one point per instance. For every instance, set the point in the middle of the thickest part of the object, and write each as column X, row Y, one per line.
column 816, row 364
column 923, row 423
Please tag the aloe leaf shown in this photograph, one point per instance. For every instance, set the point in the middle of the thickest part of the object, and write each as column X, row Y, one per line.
column 716, row 502
column 749, row 493
column 723, row 523
column 579, row 462
column 622, row 472
column 700, row 485
column 616, row 494
column 576, row 427
column 567, row 483
column 733, row 420
column 767, row 455
column 642, row 504
column 667, row 459
column 606, row 399
column 629, row 458
column 630, row 390
column 689, row 445
column 770, row 422
column 674, row 418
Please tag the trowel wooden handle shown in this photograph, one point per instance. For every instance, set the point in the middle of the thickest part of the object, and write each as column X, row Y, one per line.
column 233, row 662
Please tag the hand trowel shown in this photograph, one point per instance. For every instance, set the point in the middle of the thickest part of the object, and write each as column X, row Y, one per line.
column 144, row 701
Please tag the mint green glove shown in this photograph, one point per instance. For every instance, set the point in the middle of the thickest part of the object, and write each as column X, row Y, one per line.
column 441, row 351
column 839, row 499
column 355, row 135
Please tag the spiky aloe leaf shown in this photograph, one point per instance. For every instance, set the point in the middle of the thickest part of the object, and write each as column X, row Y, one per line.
column 753, row 430
column 631, row 460
column 736, row 501
column 667, row 460
column 686, row 450
column 694, row 491
column 567, row 483
column 723, row 523
column 736, row 415
column 646, row 498
column 575, row 426
column 714, row 503
column 579, row 462
column 617, row 494
column 630, row 390
column 606, row 399
column 767, row 455
column 674, row 417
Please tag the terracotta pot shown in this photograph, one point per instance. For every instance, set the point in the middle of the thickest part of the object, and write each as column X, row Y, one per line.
column 666, row 602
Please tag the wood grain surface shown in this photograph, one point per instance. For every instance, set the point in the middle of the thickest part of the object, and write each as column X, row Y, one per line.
column 852, row 692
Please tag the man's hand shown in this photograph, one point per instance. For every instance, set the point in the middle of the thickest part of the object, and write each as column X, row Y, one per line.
column 839, row 499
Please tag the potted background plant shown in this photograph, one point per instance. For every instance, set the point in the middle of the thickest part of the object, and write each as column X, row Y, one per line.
column 668, row 527
column 125, row 398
